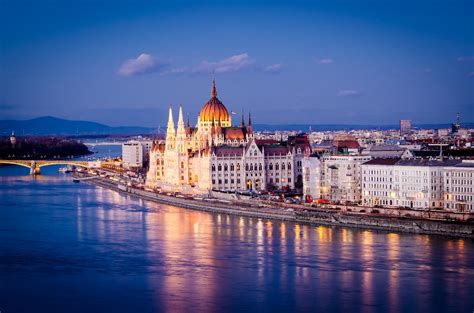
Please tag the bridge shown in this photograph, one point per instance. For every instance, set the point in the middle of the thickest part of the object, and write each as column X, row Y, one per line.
column 104, row 143
column 35, row 165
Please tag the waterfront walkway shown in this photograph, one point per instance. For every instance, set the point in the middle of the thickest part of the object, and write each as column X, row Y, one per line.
column 303, row 214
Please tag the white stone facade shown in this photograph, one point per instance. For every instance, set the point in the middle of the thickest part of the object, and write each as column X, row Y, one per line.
column 416, row 184
column 341, row 177
column 312, row 177
column 132, row 154
column 459, row 187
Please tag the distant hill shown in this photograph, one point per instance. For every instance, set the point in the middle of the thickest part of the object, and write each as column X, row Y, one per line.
column 49, row 125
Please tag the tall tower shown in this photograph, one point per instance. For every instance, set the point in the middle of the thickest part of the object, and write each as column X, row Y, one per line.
column 170, row 132
column 249, row 127
column 13, row 139
column 181, row 132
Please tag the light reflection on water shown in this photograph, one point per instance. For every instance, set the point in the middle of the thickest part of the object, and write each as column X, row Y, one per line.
column 63, row 242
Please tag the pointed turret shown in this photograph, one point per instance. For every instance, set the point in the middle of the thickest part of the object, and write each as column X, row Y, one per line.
column 170, row 120
column 249, row 128
column 243, row 120
column 170, row 132
column 214, row 90
column 188, row 124
column 181, row 129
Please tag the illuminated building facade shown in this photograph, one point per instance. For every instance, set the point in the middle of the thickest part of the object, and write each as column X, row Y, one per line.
column 215, row 155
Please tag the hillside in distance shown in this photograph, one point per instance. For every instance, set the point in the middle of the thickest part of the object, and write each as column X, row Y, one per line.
column 46, row 126
column 49, row 125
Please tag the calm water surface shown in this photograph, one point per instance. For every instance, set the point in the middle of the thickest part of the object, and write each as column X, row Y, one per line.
column 68, row 247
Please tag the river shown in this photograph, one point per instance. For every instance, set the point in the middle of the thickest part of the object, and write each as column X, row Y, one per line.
column 67, row 247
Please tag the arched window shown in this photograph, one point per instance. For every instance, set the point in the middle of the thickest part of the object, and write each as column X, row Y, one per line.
column 277, row 167
column 270, row 166
column 260, row 167
column 283, row 166
column 246, row 166
column 238, row 166
column 232, row 167
column 219, row 167
column 213, row 168
column 251, row 167
column 289, row 166
column 225, row 167
column 255, row 166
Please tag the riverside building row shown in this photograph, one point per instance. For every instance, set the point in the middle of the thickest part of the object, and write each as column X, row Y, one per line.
column 407, row 183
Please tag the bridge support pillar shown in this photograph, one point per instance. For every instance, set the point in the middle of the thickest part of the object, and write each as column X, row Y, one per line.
column 34, row 169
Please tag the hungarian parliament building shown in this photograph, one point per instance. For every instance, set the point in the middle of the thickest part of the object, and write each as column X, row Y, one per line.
column 219, row 155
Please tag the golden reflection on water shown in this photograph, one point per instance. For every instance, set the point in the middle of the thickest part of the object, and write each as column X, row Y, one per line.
column 180, row 243
column 393, row 251
column 367, row 257
column 183, row 243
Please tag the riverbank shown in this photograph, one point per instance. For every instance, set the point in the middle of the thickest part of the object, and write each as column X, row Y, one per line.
column 307, row 216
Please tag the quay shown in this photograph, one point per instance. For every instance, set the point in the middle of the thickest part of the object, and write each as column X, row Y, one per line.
column 301, row 214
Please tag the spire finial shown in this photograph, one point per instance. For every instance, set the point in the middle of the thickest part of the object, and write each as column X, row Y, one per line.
column 249, row 126
column 214, row 91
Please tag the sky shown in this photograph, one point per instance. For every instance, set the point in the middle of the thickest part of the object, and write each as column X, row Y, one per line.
column 287, row 62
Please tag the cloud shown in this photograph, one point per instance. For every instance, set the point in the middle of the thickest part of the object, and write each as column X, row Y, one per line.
column 326, row 61
column 175, row 71
column 143, row 64
column 465, row 58
column 470, row 74
column 146, row 64
column 348, row 93
column 272, row 69
column 234, row 63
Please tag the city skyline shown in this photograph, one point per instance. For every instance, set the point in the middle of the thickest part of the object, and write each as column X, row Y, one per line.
column 358, row 63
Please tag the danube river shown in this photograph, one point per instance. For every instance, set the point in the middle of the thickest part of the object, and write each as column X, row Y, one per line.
column 67, row 247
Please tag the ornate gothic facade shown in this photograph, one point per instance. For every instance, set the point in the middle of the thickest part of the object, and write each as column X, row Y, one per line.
column 215, row 155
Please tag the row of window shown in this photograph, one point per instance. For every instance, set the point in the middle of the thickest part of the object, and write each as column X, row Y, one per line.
column 459, row 174
column 250, row 166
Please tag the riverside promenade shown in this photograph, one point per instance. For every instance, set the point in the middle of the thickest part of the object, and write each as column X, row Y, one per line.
column 302, row 214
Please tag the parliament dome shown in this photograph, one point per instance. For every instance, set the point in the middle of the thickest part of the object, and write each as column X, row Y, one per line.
column 215, row 110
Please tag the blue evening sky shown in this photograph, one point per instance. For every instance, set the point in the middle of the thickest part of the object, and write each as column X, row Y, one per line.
column 323, row 62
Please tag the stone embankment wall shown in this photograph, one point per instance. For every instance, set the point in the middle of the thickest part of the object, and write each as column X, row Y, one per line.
column 316, row 217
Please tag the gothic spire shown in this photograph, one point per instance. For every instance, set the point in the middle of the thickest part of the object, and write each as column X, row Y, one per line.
column 170, row 118
column 243, row 119
column 214, row 90
column 249, row 128
column 181, row 131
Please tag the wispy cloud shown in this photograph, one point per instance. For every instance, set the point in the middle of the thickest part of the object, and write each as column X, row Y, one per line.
column 143, row 64
column 349, row 93
column 175, row 71
column 326, row 61
column 146, row 64
column 465, row 58
column 234, row 63
column 273, row 69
